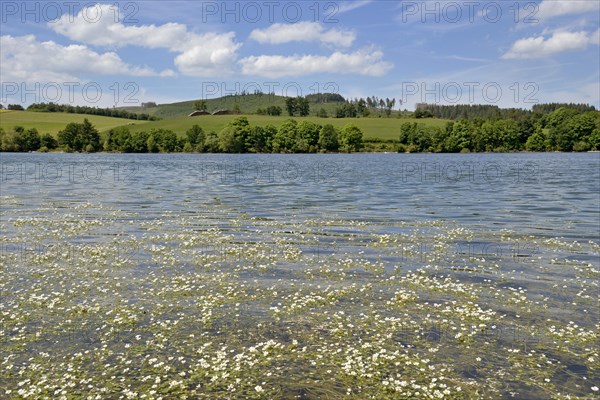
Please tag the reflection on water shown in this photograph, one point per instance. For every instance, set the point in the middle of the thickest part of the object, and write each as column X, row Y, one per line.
column 376, row 275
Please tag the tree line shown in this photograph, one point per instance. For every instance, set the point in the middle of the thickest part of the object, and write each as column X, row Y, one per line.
column 487, row 111
column 24, row 140
column 300, row 106
column 237, row 137
column 297, row 106
column 565, row 129
column 106, row 112
column 13, row 107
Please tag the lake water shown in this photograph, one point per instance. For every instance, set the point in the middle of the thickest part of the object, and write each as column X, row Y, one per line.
column 336, row 274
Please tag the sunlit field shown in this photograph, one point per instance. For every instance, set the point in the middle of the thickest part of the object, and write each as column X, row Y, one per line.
column 44, row 122
column 214, row 298
column 55, row 122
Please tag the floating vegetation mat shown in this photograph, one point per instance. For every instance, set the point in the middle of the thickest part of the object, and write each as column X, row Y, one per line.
column 98, row 303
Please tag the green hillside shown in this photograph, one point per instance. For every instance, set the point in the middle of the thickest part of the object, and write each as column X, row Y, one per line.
column 46, row 122
column 248, row 104
column 175, row 116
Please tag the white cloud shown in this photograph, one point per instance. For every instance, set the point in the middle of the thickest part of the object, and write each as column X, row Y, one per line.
column 304, row 31
column 554, row 8
column 363, row 62
column 213, row 55
column 24, row 58
column 207, row 54
column 559, row 42
column 106, row 32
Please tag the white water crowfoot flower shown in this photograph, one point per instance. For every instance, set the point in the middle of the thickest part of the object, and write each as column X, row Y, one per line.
column 220, row 304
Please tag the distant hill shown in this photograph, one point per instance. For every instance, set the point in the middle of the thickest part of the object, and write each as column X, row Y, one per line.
column 247, row 103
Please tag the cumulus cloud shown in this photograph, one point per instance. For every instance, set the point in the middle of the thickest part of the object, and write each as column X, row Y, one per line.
column 27, row 59
column 216, row 54
column 559, row 42
column 107, row 32
column 207, row 54
column 362, row 62
column 555, row 8
column 212, row 56
column 305, row 31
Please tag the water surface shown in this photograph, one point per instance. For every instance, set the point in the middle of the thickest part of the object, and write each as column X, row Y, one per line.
column 348, row 268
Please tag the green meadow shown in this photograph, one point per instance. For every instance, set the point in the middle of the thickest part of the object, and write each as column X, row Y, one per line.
column 46, row 122
column 384, row 128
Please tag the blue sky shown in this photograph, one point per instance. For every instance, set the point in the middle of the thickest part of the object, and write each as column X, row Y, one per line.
column 508, row 53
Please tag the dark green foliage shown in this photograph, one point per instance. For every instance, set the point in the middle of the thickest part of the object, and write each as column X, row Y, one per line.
column 298, row 105
column 307, row 138
column 486, row 111
column 324, row 98
column 423, row 113
column 164, row 141
column 389, row 105
column 362, row 109
column 346, row 110
column 20, row 140
column 302, row 107
column 200, row 105
column 139, row 142
column 551, row 107
column 273, row 110
column 28, row 140
column 107, row 112
column 48, row 141
column 460, row 138
column 211, row 145
column 260, row 139
column 195, row 138
column 567, row 127
column 290, row 106
column 77, row 137
column 594, row 139
column 233, row 138
column 119, row 139
column 328, row 138
column 284, row 140
column 309, row 131
column 536, row 142
column 351, row 138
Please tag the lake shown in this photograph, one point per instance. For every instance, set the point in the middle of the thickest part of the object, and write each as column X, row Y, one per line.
column 300, row 276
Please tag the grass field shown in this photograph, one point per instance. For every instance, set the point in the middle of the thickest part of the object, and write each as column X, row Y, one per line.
column 384, row 128
column 54, row 122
